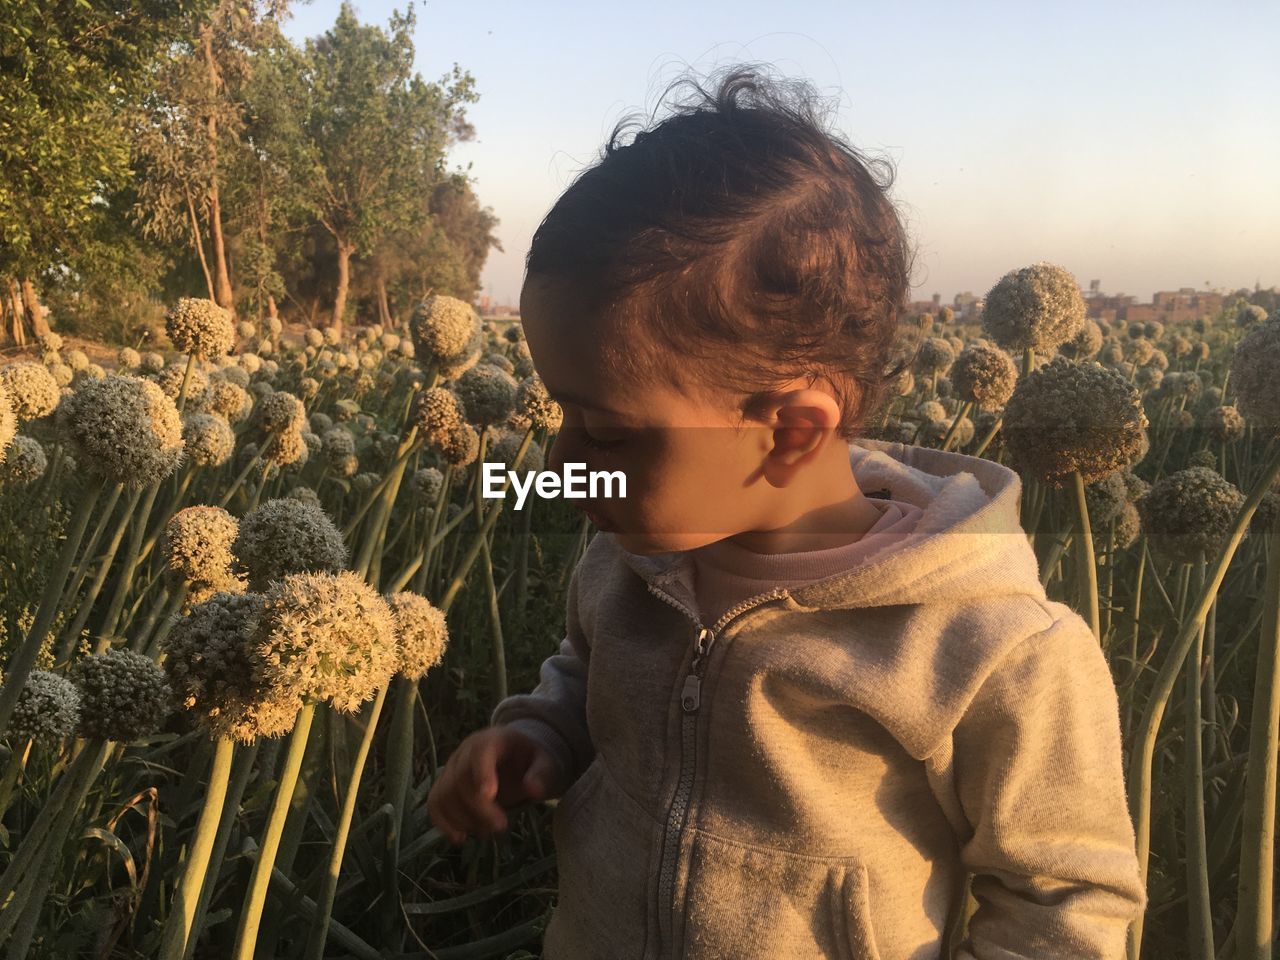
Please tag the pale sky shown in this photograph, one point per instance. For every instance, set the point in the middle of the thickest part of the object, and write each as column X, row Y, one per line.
column 1135, row 143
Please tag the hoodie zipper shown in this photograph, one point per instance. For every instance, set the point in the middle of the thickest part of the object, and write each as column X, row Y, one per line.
column 690, row 701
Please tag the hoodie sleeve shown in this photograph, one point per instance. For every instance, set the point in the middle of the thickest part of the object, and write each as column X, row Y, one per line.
column 555, row 712
column 1039, row 773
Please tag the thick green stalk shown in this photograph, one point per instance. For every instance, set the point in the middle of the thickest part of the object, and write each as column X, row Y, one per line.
column 22, row 660
column 179, row 926
column 240, row 478
column 1256, row 904
column 72, row 633
column 320, row 926
column 1141, row 760
column 127, row 570
column 1087, row 562
column 951, row 430
column 256, row 896
column 1199, row 916
column 230, row 812
column 91, row 545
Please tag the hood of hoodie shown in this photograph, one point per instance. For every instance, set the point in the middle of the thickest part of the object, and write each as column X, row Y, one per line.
column 969, row 540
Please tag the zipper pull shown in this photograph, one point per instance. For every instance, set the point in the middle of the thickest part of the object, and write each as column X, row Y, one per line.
column 689, row 698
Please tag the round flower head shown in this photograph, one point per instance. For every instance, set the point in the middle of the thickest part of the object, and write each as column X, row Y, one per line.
column 1149, row 378
column 338, row 444
column 305, row 494
column 170, row 381
column 421, row 631
column 332, row 336
column 1070, row 416
column 1224, row 424
column 123, row 695
column 326, row 636
column 1084, row 344
column 313, row 337
column 442, row 328
column 125, row 429
column 287, row 448
column 62, row 374
column 487, row 393
column 77, row 359
column 32, row 390
column 389, row 341
column 228, row 400
column 905, row 384
column 931, row 410
column 50, row 342
column 499, row 360
column 460, row 446
column 1253, row 375
column 24, row 461
column 129, row 358
column 406, row 349
column 1139, row 351
column 1039, row 306
column 503, row 446
column 427, row 483
column 984, row 376
column 246, row 330
column 534, row 402
column 1188, row 512
column 1128, row 526
column 1105, row 498
column 209, row 439
column 1159, row 359
column 237, row 375
column 48, row 709
column 934, row 356
column 200, row 327
column 197, row 544
column 1250, row 315
column 454, row 367
column 1112, row 352
column 250, row 362
column 213, row 666
column 944, row 387
column 1203, row 458
column 437, row 413
column 936, row 430
column 8, row 422
column 152, row 362
column 279, row 412
column 364, row 482
column 287, row 536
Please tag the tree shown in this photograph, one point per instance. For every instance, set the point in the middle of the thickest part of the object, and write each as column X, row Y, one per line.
column 68, row 68
column 378, row 133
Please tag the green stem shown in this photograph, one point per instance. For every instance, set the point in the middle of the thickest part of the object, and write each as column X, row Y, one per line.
column 320, row 927
column 1141, row 761
column 1087, row 561
column 256, row 895
column 127, row 570
column 23, row 659
column 1199, row 916
column 1254, row 923
column 179, row 926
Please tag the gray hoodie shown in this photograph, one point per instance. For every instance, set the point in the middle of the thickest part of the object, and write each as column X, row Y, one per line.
column 813, row 775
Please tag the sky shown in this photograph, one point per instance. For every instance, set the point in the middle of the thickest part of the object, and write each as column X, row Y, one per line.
column 1134, row 143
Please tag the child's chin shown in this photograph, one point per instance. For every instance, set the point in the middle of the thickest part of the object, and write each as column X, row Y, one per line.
column 648, row 544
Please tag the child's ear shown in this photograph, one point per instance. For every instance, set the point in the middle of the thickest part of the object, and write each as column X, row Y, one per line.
column 801, row 422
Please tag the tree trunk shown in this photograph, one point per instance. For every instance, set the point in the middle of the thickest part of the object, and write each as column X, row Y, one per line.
column 384, row 309
column 272, row 310
column 35, row 310
column 315, row 309
column 18, row 325
column 222, row 279
column 344, row 282
column 198, row 243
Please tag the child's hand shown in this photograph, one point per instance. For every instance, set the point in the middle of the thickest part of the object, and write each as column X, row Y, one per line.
column 493, row 769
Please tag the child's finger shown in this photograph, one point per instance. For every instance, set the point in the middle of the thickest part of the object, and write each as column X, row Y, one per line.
column 484, row 770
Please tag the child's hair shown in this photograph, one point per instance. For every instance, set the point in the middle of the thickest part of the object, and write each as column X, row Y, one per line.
column 741, row 230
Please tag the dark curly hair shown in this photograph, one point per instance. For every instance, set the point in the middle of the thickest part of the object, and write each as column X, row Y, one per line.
column 739, row 230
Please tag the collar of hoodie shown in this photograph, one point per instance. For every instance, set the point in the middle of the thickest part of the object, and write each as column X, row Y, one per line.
column 968, row 542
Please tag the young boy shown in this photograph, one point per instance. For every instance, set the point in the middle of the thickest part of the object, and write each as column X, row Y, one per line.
column 807, row 684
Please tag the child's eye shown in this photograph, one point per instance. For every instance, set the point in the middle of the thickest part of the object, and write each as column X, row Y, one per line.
column 589, row 441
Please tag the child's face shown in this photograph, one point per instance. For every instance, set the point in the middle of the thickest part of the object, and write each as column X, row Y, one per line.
column 693, row 473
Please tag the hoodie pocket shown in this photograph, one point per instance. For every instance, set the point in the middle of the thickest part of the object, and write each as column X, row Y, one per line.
column 603, row 841
column 751, row 903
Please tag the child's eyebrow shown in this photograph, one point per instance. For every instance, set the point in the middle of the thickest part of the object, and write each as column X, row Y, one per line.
column 560, row 396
